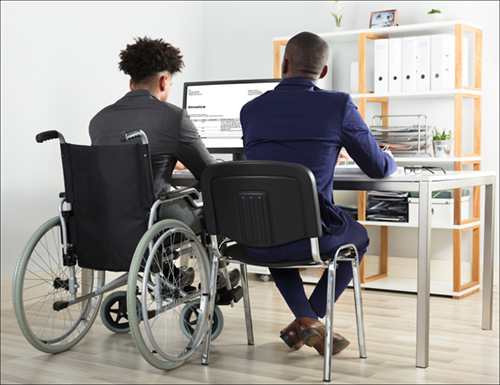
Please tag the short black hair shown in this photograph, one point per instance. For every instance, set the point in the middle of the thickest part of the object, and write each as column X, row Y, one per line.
column 148, row 57
column 307, row 53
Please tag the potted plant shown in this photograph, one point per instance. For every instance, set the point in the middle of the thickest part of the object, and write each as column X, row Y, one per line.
column 435, row 15
column 338, row 14
column 442, row 144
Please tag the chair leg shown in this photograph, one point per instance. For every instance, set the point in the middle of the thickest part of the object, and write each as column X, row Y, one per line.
column 211, row 307
column 359, row 306
column 330, row 301
column 246, row 303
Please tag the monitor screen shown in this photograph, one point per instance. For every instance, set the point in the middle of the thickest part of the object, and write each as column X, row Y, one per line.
column 214, row 107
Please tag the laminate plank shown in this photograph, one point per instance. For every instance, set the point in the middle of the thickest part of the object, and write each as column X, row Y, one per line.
column 460, row 352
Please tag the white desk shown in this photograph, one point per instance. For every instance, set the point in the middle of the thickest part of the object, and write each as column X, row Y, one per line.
column 424, row 184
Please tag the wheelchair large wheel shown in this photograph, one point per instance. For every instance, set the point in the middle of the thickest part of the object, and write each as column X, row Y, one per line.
column 40, row 279
column 169, row 269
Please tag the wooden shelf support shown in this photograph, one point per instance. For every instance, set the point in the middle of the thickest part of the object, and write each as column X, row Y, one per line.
column 277, row 57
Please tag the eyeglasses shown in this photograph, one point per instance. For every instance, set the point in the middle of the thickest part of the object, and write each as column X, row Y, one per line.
column 418, row 169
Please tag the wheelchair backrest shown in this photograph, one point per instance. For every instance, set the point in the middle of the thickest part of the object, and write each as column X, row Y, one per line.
column 110, row 189
column 261, row 203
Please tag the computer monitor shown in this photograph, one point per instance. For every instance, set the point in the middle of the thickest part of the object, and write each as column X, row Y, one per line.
column 214, row 107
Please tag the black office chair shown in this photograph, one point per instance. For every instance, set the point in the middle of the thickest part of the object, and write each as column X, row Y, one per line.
column 264, row 204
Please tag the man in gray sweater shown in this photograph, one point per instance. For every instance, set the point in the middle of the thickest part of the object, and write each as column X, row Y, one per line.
column 172, row 136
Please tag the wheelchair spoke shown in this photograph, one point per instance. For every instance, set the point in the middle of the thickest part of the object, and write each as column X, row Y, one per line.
column 177, row 268
column 40, row 280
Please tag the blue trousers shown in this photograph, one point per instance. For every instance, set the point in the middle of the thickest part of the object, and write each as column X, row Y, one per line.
column 289, row 281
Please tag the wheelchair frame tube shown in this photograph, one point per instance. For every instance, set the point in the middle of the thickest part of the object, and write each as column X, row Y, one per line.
column 120, row 281
column 73, row 282
column 63, row 224
column 215, row 254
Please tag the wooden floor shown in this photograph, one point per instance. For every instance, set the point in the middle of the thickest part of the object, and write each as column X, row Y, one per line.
column 460, row 352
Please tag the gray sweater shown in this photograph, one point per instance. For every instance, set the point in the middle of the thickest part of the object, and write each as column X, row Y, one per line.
column 172, row 135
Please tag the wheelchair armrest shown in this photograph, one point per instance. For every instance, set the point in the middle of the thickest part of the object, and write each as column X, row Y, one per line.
column 190, row 193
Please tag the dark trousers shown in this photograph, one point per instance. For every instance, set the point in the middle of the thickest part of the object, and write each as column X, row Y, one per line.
column 289, row 281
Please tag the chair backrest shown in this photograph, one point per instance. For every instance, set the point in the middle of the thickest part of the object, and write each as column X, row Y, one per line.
column 261, row 203
column 111, row 192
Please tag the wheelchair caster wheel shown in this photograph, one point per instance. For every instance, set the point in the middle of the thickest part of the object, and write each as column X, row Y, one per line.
column 114, row 312
column 264, row 278
column 189, row 317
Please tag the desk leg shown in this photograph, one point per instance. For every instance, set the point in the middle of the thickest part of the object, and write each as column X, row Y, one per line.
column 423, row 284
column 488, row 266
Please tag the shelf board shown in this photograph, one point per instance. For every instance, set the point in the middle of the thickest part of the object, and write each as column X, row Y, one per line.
column 415, row 225
column 447, row 27
column 418, row 95
column 427, row 160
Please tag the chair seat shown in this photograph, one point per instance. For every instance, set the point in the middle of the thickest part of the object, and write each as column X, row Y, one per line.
column 237, row 252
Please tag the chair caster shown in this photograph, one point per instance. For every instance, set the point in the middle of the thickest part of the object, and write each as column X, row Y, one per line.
column 114, row 312
column 189, row 318
column 265, row 277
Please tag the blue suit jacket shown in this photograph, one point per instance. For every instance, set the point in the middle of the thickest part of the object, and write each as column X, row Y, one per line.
column 301, row 123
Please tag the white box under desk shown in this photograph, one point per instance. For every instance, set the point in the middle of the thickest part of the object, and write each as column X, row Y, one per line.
column 442, row 210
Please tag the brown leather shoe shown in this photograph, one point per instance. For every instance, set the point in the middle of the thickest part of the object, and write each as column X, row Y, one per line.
column 312, row 333
column 290, row 336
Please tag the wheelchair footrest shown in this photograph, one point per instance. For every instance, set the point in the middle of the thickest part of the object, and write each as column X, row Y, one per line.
column 60, row 305
column 225, row 296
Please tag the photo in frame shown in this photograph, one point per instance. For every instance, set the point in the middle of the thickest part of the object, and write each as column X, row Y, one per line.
column 383, row 19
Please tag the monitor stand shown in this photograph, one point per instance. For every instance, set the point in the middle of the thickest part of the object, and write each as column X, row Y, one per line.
column 237, row 153
column 239, row 157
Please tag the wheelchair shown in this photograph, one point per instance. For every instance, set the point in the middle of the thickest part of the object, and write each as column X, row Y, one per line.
column 108, row 221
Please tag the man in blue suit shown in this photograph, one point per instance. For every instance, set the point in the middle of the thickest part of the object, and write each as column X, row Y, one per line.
column 301, row 123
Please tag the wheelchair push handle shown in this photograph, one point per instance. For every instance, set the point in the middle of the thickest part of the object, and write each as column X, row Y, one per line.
column 127, row 135
column 49, row 135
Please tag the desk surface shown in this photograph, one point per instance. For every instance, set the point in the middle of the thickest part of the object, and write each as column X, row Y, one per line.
column 398, row 176
column 412, row 182
column 425, row 176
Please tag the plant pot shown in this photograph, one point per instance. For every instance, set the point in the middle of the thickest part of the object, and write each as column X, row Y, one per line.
column 442, row 148
column 434, row 17
column 337, row 29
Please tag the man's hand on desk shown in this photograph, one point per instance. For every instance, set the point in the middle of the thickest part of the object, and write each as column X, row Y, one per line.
column 342, row 156
column 179, row 166
column 389, row 152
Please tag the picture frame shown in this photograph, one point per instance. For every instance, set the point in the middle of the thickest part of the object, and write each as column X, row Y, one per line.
column 381, row 19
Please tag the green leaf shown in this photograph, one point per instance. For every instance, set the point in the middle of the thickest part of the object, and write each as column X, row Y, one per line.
column 441, row 136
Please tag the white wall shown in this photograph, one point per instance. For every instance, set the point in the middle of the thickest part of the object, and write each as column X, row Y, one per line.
column 59, row 67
